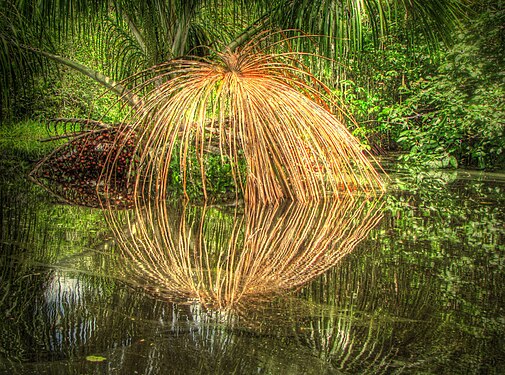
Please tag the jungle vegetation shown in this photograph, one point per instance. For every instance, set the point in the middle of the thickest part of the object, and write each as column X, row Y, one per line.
column 425, row 78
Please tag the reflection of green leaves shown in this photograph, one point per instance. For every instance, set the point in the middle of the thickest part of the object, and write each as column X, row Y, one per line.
column 446, row 226
column 95, row 358
column 437, row 258
column 421, row 293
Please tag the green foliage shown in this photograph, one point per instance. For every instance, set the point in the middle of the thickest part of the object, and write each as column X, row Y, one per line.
column 219, row 173
column 66, row 93
column 377, row 79
column 220, row 184
column 445, row 109
column 456, row 115
column 21, row 141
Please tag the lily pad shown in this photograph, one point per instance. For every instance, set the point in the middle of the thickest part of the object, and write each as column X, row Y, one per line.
column 95, row 358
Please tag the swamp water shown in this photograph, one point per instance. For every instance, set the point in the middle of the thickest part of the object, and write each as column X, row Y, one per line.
column 411, row 282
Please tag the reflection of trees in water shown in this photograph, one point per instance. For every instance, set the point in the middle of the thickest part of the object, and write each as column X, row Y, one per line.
column 226, row 261
column 371, row 317
column 423, row 288
column 46, row 314
column 416, row 294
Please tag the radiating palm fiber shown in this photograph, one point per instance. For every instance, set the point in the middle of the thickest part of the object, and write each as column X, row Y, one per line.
column 258, row 105
column 227, row 260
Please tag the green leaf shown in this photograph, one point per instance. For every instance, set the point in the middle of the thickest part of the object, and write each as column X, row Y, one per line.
column 453, row 162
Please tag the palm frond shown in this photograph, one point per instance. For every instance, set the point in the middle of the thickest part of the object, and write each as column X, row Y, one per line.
column 16, row 63
column 121, row 48
column 434, row 19
column 263, row 106
column 344, row 22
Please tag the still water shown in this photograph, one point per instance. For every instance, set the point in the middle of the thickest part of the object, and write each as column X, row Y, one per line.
column 412, row 282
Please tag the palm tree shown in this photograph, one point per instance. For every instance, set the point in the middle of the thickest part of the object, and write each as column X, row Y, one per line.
column 259, row 106
column 130, row 36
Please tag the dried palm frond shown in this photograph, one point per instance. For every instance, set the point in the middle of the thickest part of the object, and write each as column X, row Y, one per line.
column 226, row 261
column 72, row 172
column 264, row 107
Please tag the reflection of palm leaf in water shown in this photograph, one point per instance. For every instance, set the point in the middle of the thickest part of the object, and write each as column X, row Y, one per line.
column 368, row 315
column 255, row 105
column 265, row 252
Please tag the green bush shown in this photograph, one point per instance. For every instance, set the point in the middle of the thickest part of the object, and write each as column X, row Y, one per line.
column 456, row 116
column 444, row 108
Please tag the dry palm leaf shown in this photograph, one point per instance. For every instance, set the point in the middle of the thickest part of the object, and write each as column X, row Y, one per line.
column 264, row 107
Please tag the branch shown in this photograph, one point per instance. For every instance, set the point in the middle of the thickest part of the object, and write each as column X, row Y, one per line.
column 136, row 33
column 116, row 87
column 80, row 121
column 248, row 33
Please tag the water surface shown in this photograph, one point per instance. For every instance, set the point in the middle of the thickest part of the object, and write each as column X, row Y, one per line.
column 411, row 282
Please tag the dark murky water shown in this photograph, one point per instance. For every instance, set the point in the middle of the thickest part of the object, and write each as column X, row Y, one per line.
column 412, row 282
